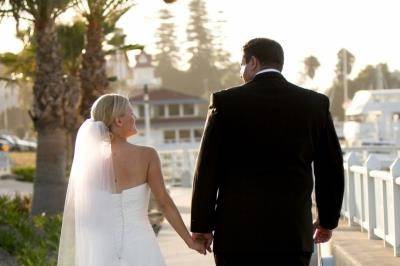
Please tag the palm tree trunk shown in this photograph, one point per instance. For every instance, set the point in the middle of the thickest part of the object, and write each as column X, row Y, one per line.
column 48, row 115
column 50, row 181
column 73, row 119
column 93, row 73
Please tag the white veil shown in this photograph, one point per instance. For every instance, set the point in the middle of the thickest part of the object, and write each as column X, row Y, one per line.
column 87, row 226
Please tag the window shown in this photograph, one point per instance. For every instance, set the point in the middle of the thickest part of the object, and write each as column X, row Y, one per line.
column 169, row 136
column 188, row 109
column 184, row 135
column 198, row 133
column 174, row 109
column 159, row 111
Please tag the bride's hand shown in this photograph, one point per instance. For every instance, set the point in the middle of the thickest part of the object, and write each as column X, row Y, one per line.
column 198, row 245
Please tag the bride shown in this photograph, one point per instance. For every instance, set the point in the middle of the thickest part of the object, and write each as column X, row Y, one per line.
column 105, row 219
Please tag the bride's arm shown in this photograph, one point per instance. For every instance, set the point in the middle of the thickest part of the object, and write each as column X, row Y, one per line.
column 156, row 182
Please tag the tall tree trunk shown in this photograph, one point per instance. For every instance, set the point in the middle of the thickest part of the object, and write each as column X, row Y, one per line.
column 73, row 119
column 50, row 181
column 48, row 115
column 93, row 73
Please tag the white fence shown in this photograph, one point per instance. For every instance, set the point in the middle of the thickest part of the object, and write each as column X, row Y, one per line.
column 178, row 165
column 372, row 195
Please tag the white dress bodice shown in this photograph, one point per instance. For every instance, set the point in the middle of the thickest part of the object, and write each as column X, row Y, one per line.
column 135, row 242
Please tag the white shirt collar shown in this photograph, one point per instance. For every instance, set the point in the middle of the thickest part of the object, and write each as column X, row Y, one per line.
column 267, row 70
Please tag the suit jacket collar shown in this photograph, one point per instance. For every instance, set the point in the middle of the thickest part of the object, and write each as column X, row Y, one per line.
column 267, row 75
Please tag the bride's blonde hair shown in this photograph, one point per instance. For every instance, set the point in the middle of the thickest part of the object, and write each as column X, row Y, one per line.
column 108, row 107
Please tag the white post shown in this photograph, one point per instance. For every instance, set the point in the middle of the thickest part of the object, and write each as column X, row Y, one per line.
column 6, row 119
column 372, row 163
column 165, row 106
column 192, row 161
column 395, row 173
column 181, row 110
column 167, row 110
column 147, row 114
column 192, row 135
column 345, row 89
column 5, row 164
column 350, row 159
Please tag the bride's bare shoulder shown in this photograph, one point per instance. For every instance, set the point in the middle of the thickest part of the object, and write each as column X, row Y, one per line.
column 145, row 151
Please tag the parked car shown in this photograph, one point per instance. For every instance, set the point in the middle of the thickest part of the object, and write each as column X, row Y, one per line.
column 17, row 144
column 4, row 145
column 9, row 141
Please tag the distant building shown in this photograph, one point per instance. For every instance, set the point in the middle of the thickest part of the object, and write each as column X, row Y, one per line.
column 117, row 66
column 143, row 73
column 176, row 119
column 9, row 93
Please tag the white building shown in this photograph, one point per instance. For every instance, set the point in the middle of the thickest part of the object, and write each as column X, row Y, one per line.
column 175, row 119
column 118, row 66
column 143, row 73
column 9, row 95
column 131, row 80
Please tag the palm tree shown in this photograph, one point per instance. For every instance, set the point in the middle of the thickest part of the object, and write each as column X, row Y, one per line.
column 99, row 15
column 72, row 40
column 21, row 66
column 50, row 100
column 311, row 64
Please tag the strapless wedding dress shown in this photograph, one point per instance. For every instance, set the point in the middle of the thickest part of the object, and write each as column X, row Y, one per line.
column 135, row 243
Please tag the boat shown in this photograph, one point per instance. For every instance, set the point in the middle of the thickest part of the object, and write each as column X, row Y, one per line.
column 373, row 118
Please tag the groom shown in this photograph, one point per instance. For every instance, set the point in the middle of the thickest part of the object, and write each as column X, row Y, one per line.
column 252, row 187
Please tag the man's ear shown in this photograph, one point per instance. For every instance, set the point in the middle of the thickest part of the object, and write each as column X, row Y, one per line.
column 254, row 62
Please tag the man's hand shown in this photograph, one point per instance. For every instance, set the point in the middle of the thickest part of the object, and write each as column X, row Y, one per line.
column 207, row 238
column 320, row 234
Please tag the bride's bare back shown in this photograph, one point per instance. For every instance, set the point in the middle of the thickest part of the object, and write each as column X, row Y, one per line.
column 131, row 165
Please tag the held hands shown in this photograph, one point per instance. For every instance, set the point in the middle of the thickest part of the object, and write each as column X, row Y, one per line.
column 320, row 234
column 197, row 245
column 205, row 240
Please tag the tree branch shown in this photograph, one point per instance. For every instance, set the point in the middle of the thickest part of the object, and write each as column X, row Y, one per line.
column 115, row 6
column 62, row 10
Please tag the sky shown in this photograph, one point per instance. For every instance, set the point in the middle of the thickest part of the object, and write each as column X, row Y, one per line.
column 368, row 29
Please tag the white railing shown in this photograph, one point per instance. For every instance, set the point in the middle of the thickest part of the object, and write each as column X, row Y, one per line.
column 178, row 165
column 372, row 196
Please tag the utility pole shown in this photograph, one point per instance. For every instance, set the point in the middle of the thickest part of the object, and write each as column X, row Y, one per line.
column 147, row 114
column 345, row 86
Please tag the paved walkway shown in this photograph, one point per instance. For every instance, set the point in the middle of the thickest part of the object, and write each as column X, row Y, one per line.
column 10, row 186
column 174, row 249
column 352, row 247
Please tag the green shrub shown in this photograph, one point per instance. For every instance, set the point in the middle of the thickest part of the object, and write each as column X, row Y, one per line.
column 25, row 174
column 33, row 240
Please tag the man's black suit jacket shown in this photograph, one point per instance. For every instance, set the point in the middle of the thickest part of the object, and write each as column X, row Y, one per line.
column 253, row 178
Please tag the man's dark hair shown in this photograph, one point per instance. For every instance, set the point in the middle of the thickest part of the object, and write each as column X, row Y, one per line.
column 267, row 51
